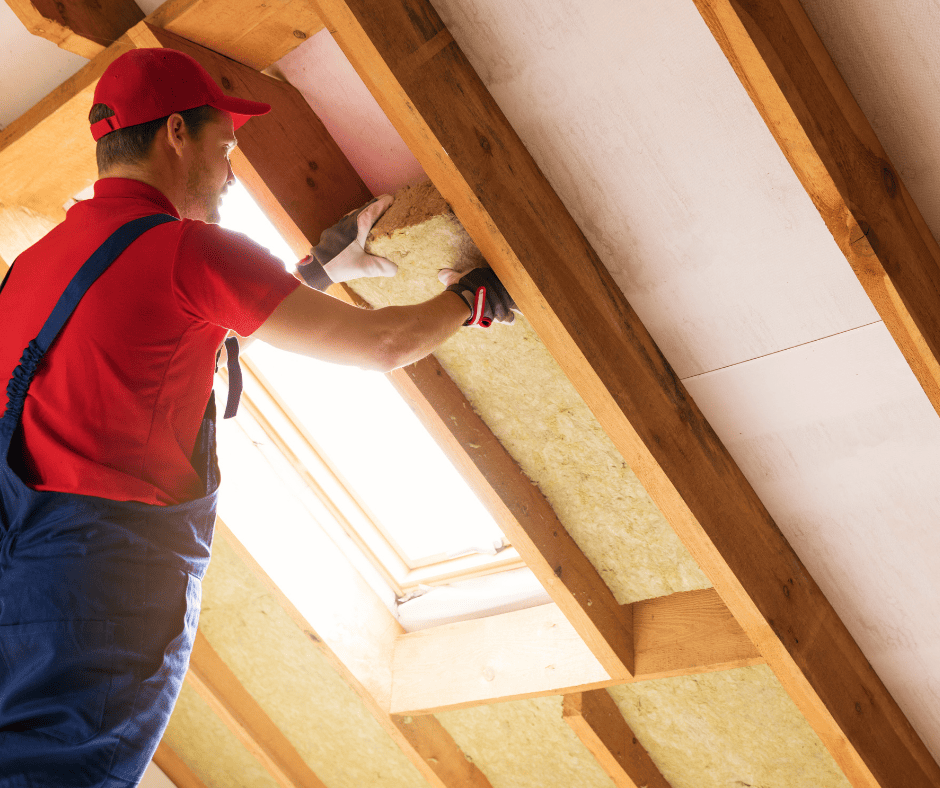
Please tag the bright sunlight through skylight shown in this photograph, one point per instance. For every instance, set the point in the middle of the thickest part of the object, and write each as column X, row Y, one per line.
column 369, row 433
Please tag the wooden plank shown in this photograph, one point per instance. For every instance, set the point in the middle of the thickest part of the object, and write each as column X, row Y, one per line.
column 796, row 87
column 522, row 512
column 600, row 726
column 218, row 686
column 256, row 33
column 288, row 160
column 85, row 28
column 522, row 654
column 688, row 632
column 438, row 748
column 47, row 155
column 174, row 767
column 432, row 95
column 536, row 652
column 364, row 658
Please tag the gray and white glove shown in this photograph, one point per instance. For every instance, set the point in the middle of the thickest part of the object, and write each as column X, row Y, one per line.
column 488, row 300
column 341, row 255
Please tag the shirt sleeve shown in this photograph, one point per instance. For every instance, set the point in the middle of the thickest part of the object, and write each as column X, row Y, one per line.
column 224, row 278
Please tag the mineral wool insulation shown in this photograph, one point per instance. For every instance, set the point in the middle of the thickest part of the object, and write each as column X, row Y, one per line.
column 734, row 728
column 519, row 390
column 294, row 684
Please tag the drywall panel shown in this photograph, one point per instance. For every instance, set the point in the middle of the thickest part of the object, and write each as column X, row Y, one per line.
column 525, row 744
column 210, row 749
column 640, row 124
column 843, row 448
column 735, row 728
column 294, row 683
column 30, row 67
column 886, row 51
column 333, row 89
column 512, row 381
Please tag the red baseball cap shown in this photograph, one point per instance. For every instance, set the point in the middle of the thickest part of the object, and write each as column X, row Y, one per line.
column 147, row 84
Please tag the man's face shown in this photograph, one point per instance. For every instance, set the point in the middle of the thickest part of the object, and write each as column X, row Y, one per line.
column 209, row 170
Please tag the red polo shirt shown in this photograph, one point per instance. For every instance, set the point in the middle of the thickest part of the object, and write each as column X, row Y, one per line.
column 116, row 404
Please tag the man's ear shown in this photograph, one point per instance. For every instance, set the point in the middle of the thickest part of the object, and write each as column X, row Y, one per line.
column 176, row 133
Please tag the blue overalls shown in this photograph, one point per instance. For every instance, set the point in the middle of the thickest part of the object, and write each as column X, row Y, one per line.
column 99, row 601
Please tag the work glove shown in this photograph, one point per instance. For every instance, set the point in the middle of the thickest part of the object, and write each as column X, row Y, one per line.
column 341, row 255
column 484, row 293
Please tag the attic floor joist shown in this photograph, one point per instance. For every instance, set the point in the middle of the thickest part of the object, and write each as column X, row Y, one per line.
column 796, row 87
column 428, row 89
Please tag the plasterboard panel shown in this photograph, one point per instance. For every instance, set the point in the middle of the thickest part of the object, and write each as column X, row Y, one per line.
column 640, row 124
column 30, row 67
column 335, row 92
column 843, row 448
column 886, row 50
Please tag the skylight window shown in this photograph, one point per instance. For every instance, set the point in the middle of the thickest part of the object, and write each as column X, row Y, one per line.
column 369, row 439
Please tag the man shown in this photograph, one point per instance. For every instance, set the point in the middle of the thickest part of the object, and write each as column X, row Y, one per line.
column 112, row 324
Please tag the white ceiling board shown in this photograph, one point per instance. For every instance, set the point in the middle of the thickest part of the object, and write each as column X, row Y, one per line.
column 843, row 448
column 30, row 67
column 639, row 122
column 887, row 52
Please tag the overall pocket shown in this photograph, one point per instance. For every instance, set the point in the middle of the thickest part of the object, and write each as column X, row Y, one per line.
column 55, row 677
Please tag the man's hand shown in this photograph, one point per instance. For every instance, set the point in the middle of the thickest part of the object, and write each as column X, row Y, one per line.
column 341, row 255
column 484, row 293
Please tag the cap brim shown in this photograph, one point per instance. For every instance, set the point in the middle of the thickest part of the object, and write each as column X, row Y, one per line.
column 241, row 109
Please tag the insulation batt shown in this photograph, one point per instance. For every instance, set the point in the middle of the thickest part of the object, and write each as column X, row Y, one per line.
column 295, row 685
column 718, row 730
column 519, row 390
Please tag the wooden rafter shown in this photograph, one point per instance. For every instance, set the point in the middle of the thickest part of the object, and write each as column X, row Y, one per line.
column 597, row 721
column 218, row 686
column 534, row 652
column 523, row 513
column 432, row 95
column 254, row 32
column 175, row 768
column 78, row 26
column 788, row 73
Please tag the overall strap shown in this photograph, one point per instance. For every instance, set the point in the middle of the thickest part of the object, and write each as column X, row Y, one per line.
column 96, row 265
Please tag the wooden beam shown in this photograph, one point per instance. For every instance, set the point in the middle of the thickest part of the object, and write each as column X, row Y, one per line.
column 256, row 33
column 47, row 155
column 600, row 726
column 173, row 767
column 430, row 92
column 522, row 512
column 536, row 652
column 362, row 654
column 79, row 26
column 287, row 159
column 217, row 685
column 688, row 632
column 437, row 747
column 835, row 153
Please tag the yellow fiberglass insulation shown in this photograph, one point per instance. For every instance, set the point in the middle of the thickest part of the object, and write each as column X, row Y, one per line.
column 512, row 381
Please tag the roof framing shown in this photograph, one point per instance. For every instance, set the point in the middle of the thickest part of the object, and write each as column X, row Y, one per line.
column 796, row 87
column 436, row 101
column 430, row 92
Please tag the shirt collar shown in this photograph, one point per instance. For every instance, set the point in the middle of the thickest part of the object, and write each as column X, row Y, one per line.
column 137, row 190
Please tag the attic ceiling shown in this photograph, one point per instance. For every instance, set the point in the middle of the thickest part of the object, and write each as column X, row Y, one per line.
column 644, row 130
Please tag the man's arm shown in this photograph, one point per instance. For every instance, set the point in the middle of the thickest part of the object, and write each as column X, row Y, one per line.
column 317, row 325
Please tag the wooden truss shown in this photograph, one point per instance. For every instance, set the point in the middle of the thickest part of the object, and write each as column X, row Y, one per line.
column 765, row 606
